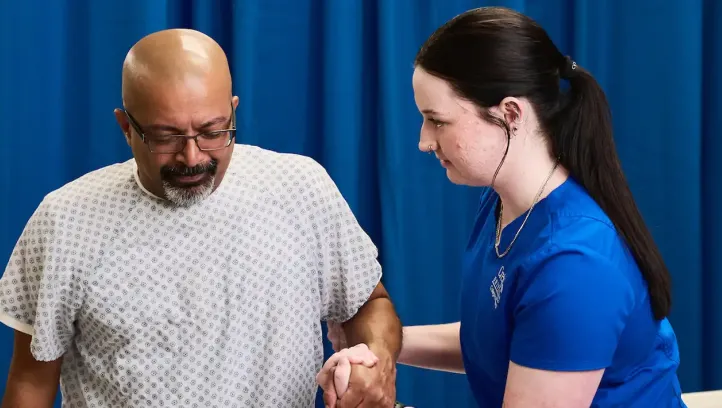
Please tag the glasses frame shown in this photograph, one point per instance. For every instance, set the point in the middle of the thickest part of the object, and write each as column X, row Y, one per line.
column 145, row 138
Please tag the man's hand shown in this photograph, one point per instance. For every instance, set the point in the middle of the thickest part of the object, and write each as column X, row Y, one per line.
column 371, row 387
column 377, row 325
column 356, row 377
column 336, row 372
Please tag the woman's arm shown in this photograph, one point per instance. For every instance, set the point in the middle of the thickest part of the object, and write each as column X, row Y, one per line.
column 567, row 326
column 434, row 347
column 531, row 388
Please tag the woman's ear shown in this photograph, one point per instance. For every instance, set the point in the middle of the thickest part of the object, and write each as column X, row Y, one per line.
column 514, row 111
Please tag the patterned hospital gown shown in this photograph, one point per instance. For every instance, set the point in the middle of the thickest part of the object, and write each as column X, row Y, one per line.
column 214, row 305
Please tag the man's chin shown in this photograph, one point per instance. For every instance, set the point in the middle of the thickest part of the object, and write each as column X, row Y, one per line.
column 188, row 193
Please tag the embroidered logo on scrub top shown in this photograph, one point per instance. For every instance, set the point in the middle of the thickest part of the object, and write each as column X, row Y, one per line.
column 497, row 286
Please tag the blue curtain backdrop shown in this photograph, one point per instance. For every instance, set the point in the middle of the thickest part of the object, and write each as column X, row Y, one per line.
column 332, row 79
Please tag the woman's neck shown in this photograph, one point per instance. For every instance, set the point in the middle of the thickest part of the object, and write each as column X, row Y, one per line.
column 519, row 185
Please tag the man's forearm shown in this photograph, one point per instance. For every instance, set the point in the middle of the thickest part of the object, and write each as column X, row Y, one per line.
column 26, row 394
column 376, row 325
column 31, row 383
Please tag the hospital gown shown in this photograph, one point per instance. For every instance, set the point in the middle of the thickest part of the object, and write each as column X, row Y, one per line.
column 213, row 305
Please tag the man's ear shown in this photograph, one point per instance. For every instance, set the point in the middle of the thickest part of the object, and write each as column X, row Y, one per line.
column 122, row 120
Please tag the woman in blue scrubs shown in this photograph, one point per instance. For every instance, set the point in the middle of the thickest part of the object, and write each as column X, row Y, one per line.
column 565, row 294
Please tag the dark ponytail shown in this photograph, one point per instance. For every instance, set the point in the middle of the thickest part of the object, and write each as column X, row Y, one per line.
column 582, row 137
column 490, row 53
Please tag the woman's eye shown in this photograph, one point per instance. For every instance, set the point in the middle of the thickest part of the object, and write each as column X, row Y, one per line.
column 437, row 123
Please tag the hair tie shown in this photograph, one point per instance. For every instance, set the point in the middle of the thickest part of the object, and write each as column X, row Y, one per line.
column 568, row 68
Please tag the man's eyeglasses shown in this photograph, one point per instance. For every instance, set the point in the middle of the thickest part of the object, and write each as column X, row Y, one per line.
column 168, row 144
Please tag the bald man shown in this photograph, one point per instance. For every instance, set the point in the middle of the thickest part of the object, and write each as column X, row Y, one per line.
column 197, row 273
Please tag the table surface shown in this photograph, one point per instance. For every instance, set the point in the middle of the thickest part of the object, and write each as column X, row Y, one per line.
column 705, row 399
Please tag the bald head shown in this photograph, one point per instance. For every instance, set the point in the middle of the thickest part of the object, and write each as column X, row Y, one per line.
column 169, row 59
column 176, row 83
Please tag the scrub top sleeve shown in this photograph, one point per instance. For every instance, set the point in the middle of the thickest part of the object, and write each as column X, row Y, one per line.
column 570, row 315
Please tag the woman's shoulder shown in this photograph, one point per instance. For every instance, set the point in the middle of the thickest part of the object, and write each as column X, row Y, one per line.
column 583, row 251
column 588, row 237
column 577, row 222
column 578, row 231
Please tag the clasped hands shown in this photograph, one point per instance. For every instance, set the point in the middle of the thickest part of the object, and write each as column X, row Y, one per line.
column 356, row 376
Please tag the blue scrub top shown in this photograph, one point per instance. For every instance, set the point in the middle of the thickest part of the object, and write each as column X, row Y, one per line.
column 567, row 297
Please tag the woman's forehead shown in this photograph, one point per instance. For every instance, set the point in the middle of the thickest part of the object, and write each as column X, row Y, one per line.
column 433, row 94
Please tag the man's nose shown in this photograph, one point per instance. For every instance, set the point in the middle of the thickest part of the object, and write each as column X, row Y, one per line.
column 191, row 155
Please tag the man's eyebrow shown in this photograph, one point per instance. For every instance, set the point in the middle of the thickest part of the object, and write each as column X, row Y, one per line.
column 169, row 128
column 161, row 128
column 215, row 121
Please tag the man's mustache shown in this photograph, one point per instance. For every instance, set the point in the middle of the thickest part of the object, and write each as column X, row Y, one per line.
column 179, row 171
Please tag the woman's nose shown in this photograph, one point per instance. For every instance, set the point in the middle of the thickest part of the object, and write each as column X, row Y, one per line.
column 427, row 146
